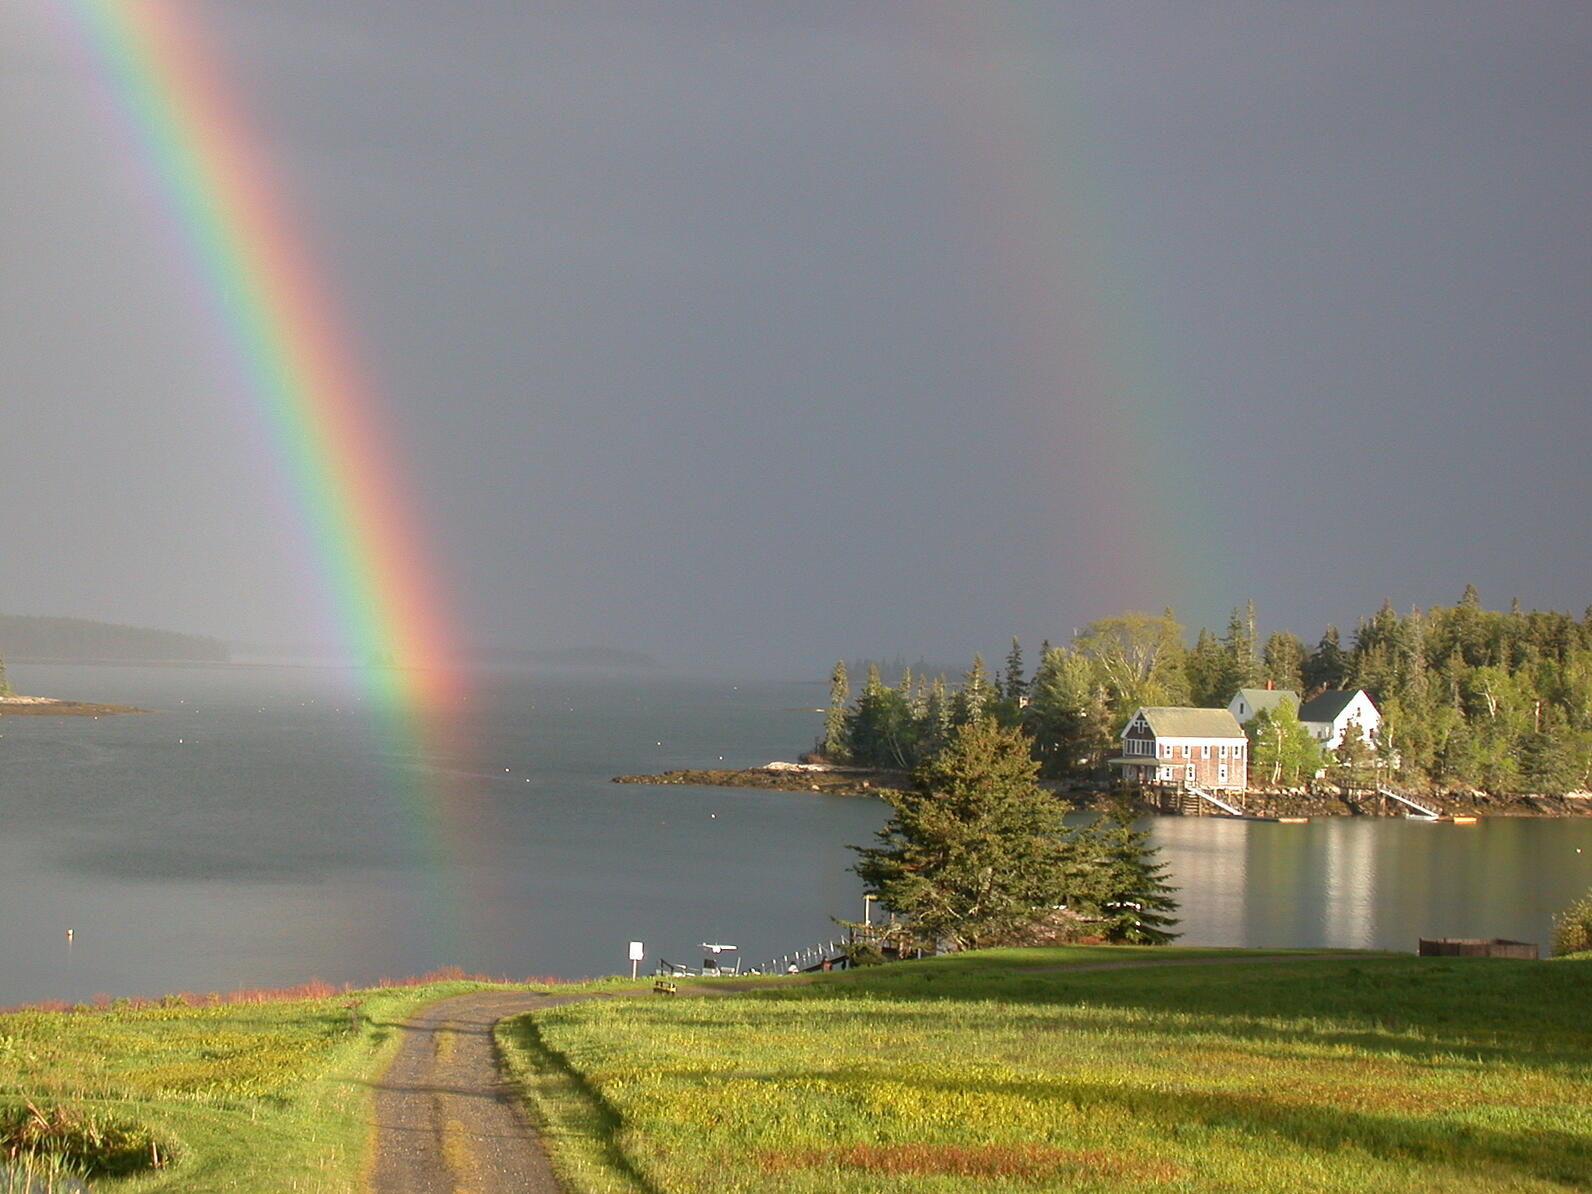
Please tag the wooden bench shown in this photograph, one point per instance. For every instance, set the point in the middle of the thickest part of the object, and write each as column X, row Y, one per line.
column 664, row 987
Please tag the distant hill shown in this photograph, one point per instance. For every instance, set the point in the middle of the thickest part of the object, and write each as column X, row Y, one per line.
column 78, row 640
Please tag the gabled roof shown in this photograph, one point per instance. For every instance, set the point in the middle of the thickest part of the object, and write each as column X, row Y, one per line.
column 1329, row 704
column 1266, row 698
column 1174, row 722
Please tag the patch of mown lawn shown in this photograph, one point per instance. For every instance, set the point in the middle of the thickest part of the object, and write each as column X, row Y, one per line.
column 1025, row 1070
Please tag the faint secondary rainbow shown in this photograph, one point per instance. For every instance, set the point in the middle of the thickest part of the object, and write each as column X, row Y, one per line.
column 283, row 334
column 1087, row 351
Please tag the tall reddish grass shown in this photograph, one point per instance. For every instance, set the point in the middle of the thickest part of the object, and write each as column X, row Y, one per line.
column 315, row 988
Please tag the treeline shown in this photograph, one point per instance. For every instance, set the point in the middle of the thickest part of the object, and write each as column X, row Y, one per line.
column 1469, row 697
column 80, row 640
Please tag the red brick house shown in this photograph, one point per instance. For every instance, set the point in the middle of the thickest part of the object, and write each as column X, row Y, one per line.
column 1203, row 748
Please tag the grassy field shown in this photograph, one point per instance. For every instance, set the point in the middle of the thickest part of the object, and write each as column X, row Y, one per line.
column 1023, row 1070
column 254, row 1097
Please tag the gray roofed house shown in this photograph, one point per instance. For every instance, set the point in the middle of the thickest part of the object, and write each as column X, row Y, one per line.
column 1176, row 721
column 1247, row 702
column 1191, row 747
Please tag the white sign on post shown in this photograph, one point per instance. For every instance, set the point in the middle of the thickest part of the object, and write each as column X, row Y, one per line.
column 637, row 952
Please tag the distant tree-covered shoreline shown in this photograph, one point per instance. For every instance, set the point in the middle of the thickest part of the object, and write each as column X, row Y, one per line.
column 1494, row 700
column 79, row 640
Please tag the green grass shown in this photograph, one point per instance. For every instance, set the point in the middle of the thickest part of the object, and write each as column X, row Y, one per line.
column 1002, row 1070
column 257, row 1098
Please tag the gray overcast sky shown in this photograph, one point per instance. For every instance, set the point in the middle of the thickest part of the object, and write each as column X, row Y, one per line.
column 753, row 336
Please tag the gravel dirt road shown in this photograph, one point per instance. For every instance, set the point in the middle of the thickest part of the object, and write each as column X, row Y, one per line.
column 445, row 1120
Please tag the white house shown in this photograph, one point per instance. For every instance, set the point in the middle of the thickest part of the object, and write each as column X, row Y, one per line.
column 1327, row 716
column 1249, row 701
column 1196, row 747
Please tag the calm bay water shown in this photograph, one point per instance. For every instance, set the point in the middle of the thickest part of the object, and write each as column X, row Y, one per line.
column 253, row 832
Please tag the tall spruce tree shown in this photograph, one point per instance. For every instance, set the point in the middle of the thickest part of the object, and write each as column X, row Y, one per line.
column 1015, row 686
column 1068, row 716
column 974, row 850
column 976, row 692
column 834, row 743
column 1328, row 664
column 1122, row 885
column 1283, row 659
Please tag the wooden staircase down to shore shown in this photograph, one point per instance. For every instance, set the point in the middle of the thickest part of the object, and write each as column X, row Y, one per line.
column 1211, row 798
column 1421, row 811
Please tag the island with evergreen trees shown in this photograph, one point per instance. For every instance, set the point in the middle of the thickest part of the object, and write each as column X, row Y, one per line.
column 1481, row 711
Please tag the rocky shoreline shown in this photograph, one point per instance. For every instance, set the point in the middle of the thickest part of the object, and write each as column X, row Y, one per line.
column 783, row 777
column 1325, row 802
column 26, row 706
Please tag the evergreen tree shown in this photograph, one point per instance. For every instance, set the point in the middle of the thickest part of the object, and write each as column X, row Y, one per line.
column 1241, row 667
column 879, row 730
column 833, row 746
column 1121, row 884
column 974, row 851
column 934, row 722
column 1327, row 666
column 976, row 692
column 1283, row 660
column 1207, row 672
column 1068, row 716
column 1016, row 687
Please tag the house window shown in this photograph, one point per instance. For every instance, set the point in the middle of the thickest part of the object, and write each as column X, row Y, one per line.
column 1222, row 751
column 1221, row 772
column 1188, row 773
column 1205, row 750
column 1166, row 773
column 1185, row 750
column 1166, row 749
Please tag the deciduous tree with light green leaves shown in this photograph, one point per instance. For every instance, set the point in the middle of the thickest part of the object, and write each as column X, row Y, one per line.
column 1140, row 659
column 1281, row 750
column 1572, row 928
